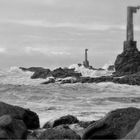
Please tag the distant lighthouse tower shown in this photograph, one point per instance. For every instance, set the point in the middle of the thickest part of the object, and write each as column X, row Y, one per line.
column 86, row 62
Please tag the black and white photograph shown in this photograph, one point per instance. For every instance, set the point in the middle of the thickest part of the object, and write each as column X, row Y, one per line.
column 70, row 69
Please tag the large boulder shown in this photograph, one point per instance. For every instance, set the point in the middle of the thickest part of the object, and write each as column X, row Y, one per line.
column 60, row 132
column 128, row 62
column 116, row 125
column 29, row 117
column 68, row 119
column 11, row 128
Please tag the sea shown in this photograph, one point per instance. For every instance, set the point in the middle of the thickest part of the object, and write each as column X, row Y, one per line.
column 85, row 101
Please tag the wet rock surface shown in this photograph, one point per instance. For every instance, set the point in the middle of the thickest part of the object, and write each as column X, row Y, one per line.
column 11, row 128
column 60, row 132
column 68, row 119
column 29, row 117
column 116, row 125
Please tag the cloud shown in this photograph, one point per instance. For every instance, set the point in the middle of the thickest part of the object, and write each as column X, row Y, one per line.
column 81, row 26
column 75, row 25
column 45, row 51
column 3, row 50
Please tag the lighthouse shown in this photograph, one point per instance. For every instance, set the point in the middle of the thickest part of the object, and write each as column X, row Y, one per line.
column 86, row 62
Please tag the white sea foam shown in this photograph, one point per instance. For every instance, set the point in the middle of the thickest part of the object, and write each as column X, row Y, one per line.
column 89, row 72
column 16, row 76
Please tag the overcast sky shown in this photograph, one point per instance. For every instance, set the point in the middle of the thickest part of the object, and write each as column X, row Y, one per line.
column 54, row 33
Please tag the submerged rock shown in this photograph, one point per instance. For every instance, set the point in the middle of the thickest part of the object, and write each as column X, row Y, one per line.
column 60, row 132
column 116, row 125
column 30, row 118
column 11, row 128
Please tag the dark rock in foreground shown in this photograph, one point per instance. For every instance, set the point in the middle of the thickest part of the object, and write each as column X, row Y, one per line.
column 30, row 118
column 11, row 128
column 68, row 119
column 60, row 132
column 116, row 125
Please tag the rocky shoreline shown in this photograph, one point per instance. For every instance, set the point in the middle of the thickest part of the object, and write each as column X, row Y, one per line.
column 65, row 75
column 126, row 65
column 20, row 123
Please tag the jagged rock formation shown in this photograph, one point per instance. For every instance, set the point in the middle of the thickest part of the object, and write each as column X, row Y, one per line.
column 128, row 62
column 40, row 72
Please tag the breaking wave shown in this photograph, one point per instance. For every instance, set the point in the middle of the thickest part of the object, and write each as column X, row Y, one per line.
column 16, row 76
column 90, row 72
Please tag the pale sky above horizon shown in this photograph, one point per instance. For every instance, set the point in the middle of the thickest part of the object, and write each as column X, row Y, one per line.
column 52, row 33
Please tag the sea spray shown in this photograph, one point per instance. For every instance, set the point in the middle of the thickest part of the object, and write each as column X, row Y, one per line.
column 90, row 72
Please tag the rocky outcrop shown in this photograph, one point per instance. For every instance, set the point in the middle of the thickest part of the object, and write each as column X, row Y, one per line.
column 44, row 73
column 60, row 132
column 128, row 62
column 63, row 73
column 39, row 72
column 57, row 73
column 116, row 125
column 30, row 118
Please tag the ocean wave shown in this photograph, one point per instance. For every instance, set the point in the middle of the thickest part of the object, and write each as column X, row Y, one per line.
column 90, row 72
column 16, row 76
